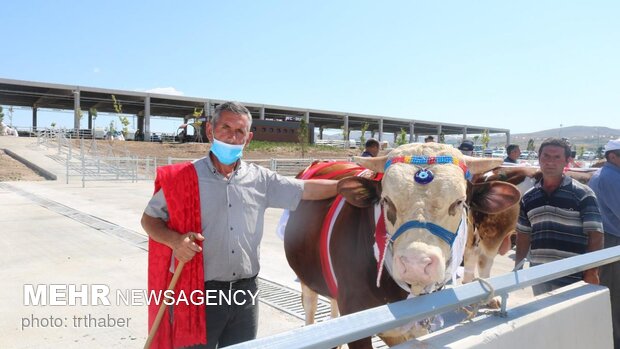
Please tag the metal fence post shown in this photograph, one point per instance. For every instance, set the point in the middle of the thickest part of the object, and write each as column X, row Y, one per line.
column 83, row 173
column 67, row 169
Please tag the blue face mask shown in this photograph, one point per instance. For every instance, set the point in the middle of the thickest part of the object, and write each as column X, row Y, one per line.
column 226, row 153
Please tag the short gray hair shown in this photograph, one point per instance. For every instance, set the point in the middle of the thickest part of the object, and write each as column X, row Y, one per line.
column 233, row 107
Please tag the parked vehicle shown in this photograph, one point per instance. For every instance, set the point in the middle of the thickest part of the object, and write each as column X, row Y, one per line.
column 588, row 155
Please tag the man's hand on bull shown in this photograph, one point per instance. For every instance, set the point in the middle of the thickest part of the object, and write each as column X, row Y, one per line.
column 185, row 247
column 591, row 276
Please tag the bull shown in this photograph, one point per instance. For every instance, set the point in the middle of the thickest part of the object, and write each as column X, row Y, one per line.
column 420, row 203
column 490, row 233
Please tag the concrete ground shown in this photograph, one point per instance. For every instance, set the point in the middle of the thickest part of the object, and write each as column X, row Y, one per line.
column 47, row 239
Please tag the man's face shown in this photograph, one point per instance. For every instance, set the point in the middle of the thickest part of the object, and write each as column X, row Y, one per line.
column 374, row 150
column 552, row 161
column 515, row 153
column 614, row 158
column 231, row 128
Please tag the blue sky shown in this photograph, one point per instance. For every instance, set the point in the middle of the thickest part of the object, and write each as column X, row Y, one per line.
column 522, row 65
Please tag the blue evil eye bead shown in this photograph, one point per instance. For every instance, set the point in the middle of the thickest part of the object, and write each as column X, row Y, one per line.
column 424, row 176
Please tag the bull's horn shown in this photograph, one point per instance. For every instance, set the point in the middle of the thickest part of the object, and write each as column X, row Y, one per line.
column 481, row 165
column 374, row 164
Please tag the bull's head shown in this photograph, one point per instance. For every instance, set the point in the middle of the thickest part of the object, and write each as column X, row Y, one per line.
column 423, row 192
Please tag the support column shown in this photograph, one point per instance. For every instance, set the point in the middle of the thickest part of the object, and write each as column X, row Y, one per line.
column 34, row 118
column 90, row 120
column 321, row 132
column 207, row 109
column 411, row 131
column 380, row 129
column 396, row 134
column 464, row 132
column 76, row 109
column 307, row 117
column 508, row 138
column 140, row 123
column 147, row 118
column 262, row 113
column 417, row 137
column 439, row 130
column 346, row 128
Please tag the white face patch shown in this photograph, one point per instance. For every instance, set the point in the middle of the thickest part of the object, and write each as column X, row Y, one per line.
column 419, row 256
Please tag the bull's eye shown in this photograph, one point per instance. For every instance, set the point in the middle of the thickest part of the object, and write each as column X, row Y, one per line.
column 456, row 207
column 390, row 210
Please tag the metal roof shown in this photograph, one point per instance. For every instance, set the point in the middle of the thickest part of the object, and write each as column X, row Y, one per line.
column 57, row 96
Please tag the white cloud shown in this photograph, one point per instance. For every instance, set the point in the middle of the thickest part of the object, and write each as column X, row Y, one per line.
column 165, row 91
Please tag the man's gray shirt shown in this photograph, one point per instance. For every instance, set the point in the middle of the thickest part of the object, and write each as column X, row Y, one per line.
column 232, row 215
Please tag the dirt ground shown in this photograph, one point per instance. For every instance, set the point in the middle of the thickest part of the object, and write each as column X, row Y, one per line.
column 13, row 170
column 197, row 150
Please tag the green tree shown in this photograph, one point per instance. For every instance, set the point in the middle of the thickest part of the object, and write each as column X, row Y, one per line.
column 485, row 139
column 476, row 138
column 93, row 113
column 580, row 151
column 530, row 145
column 118, row 108
column 303, row 137
column 442, row 138
column 402, row 138
column 599, row 152
column 363, row 136
column 11, row 115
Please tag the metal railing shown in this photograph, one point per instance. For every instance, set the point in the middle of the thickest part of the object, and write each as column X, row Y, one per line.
column 92, row 162
column 369, row 322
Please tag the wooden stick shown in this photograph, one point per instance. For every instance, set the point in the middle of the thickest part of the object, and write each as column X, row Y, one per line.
column 162, row 306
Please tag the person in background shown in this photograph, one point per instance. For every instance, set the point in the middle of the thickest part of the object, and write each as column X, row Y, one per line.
column 371, row 148
column 429, row 139
column 606, row 185
column 466, row 147
column 559, row 218
column 513, row 153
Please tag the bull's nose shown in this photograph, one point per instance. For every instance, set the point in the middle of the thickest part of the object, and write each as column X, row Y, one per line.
column 420, row 269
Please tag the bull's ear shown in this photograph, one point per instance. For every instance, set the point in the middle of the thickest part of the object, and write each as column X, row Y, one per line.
column 360, row 192
column 376, row 164
column 481, row 165
column 494, row 197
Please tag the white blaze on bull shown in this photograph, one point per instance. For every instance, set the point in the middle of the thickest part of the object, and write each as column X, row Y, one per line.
column 420, row 257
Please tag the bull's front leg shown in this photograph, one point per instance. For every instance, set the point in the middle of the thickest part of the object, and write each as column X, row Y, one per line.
column 334, row 308
column 309, row 300
column 470, row 259
column 485, row 263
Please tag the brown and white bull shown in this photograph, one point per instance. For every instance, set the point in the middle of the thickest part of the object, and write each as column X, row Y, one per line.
column 421, row 195
column 490, row 232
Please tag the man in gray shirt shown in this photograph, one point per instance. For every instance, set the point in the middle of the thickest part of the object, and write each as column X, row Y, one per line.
column 233, row 198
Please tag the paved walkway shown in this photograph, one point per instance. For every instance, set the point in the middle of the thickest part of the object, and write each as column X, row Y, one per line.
column 57, row 233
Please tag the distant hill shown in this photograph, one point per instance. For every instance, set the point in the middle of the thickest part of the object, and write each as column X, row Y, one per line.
column 590, row 137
